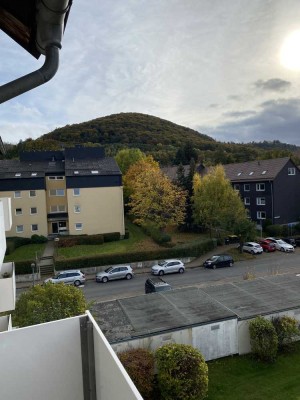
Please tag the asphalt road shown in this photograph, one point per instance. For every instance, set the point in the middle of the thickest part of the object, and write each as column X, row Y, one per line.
column 261, row 265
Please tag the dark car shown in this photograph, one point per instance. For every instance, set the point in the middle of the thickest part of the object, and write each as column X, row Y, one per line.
column 231, row 239
column 220, row 260
column 154, row 284
column 267, row 245
column 291, row 241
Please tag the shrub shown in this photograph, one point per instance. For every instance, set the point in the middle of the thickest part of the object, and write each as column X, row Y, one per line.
column 157, row 235
column 38, row 239
column 71, row 241
column 274, row 230
column 126, row 236
column 182, row 372
column 263, row 339
column 139, row 363
column 111, row 237
column 23, row 267
column 287, row 331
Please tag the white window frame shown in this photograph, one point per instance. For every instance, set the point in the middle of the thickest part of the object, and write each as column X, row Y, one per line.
column 21, row 230
column 260, row 201
column 32, row 193
column 78, row 226
column 247, row 201
column 56, row 208
column 77, row 209
column 259, row 187
column 20, row 213
column 260, row 213
column 33, row 213
column 34, row 230
column 51, row 191
column 15, row 194
column 76, row 192
column 291, row 171
column 56, row 178
column 246, row 187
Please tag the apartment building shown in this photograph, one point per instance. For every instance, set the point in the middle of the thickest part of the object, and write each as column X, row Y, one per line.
column 74, row 191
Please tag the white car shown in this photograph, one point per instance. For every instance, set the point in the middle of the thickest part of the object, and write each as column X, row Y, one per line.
column 252, row 247
column 168, row 267
column 281, row 244
column 113, row 273
column 71, row 277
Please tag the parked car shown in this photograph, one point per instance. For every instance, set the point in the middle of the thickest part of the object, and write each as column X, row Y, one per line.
column 168, row 267
column 267, row 245
column 113, row 273
column 219, row 260
column 230, row 239
column 70, row 277
column 252, row 247
column 281, row 244
column 156, row 284
column 291, row 241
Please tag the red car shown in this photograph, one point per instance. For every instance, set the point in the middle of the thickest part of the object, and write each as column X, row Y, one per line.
column 267, row 245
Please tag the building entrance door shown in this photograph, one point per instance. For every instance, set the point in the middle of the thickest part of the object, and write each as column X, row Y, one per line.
column 54, row 227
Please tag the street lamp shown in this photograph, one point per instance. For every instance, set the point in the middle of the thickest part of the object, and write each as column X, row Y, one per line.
column 32, row 267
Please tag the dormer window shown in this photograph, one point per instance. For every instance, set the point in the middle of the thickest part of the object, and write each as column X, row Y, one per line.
column 264, row 172
column 18, row 174
column 76, row 172
column 95, row 172
column 239, row 173
column 33, row 173
column 251, row 173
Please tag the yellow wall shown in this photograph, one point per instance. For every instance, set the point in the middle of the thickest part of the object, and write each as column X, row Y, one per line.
column 101, row 210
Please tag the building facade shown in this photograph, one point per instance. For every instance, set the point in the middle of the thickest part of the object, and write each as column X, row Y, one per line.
column 74, row 191
column 270, row 189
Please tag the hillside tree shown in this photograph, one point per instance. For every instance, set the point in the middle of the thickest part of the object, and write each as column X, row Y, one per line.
column 127, row 157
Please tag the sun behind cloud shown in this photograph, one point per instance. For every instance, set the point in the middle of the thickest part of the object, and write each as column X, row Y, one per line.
column 290, row 51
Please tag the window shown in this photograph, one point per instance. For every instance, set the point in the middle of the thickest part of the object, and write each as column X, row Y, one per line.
column 260, row 201
column 76, row 172
column 17, row 194
column 239, row 173
column 33, row 173
column 247, row 187
column 19, row 211
column 261, row 215
column 260, row 187
column 291, row 171
column 76, row 192
column 33, row 210
column 18, row 174
column 264, row 172
column 78, row 226
column 236, row 186
column 57, row 192
column 34, row 227
column 95, row 172
column 77, row 209
column 32, row 193
column 19, row 228
column 251, row 173
column 247, row 201
column 55, row 178
column 58, row 208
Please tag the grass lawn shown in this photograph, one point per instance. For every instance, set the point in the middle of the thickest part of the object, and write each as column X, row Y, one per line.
column 242, row 378
column 27, row 252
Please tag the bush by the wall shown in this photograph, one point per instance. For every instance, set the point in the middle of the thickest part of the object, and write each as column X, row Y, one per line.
column 71, row 241
column 274, row 230
column 157, row 235
column 287, row 331
column 185, row 250
column 182, row 372
column 126, row 236
column 263, row 339
column 13, row 243
column 23, row 267
column 139, row 364
column 111, row 237
column 35, row 239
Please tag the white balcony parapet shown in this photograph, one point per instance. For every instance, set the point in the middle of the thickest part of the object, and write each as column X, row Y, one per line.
column 7, row 287
column 6, row 202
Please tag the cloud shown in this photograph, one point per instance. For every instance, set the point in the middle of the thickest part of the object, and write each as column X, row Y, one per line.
column 274, row 85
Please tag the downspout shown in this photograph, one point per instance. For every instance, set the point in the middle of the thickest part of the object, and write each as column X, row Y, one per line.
column 272, row 201
column 50, row 19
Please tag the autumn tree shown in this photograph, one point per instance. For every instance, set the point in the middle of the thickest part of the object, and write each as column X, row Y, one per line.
column 155, row 198
column 127, row 157
column 216, row 205
column 49, row 302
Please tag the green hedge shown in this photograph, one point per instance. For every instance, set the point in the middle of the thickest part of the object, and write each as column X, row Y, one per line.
column 71, row 241
column 185, row 250
column 23, row 267
column 157, row 235
column 13, row 243
column 111, row 237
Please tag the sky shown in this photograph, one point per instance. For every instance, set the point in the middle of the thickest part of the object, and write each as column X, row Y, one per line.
column 228, row 68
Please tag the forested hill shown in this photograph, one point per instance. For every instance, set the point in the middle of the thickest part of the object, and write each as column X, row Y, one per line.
column 163, row 139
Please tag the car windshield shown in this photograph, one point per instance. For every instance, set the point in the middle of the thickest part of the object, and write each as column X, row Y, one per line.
column 281, row 241
column 56, row 276
column 214, row 258
column 161, row 263
column 108, row 269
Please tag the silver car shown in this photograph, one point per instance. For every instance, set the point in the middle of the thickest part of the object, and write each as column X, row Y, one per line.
column 168, row 267
column 252, row 247
column 112, row 273
column 71, row 277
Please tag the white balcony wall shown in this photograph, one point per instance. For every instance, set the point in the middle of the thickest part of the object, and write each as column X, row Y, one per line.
column 112, row 380
column 5, row 323
column 2, row 234
column 44, row 362
column 6, row 201
column 7, row 287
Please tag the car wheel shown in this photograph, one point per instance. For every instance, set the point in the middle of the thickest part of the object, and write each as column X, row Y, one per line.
column 77, row 283
column 281, row 249
column 161, row 273
column 105, row 279
column 230, row 264
column 252, row 252
column 181, row 270
column 128, row 276
column 214, row 266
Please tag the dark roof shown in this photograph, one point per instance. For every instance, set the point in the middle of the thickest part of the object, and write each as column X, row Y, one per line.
column 255, row 170
column 103, row 166
column 191, row 306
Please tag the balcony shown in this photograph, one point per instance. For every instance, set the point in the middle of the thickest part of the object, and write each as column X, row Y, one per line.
column 7, row 287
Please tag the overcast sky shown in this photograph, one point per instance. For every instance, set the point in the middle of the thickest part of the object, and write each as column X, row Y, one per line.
column 211, row 65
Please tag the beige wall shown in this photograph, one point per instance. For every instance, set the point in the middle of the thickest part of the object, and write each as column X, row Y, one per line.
column 101, row 210
column 26, row 219
column 52, row 184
